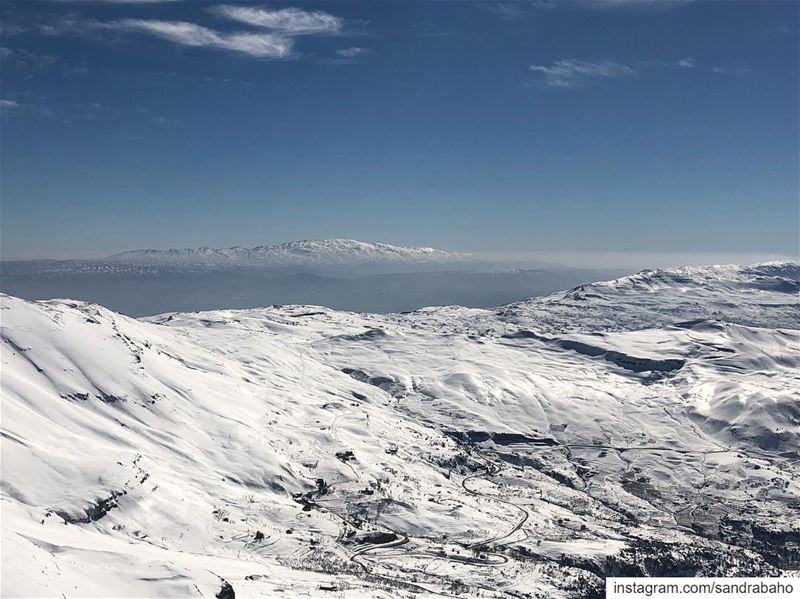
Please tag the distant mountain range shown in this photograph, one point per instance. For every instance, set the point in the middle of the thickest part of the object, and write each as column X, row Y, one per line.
column 334, row 252
column 339, row 273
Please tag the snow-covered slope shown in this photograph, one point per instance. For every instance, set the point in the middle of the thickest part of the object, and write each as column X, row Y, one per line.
column 761, row 295
column 297, row 253
column 645, row 425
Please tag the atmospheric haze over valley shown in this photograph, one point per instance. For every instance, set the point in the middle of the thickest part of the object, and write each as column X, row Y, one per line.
column 339, row 273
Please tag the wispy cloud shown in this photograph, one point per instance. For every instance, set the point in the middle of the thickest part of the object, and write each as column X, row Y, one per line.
column 575, row 73
column 776, row 30
column 345, row 56
column 735, row 71
column 517, row 9
column 641, row 6
column 352, row 52
column 265, row 45
column 9, row 26
column 514, row 10
column 28, row 104
column 271, row 35
column 29, row 64
column 578, row 73
column 287, row 21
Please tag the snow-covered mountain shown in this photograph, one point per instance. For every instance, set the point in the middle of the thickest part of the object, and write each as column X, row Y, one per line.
column 297, row 253
column 339, row 273
column 761, row 295
column 647, row 425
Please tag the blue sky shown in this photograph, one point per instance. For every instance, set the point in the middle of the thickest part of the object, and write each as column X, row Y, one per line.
column 615, row 126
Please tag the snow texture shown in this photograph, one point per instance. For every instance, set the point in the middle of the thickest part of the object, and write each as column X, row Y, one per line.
column 646, row 425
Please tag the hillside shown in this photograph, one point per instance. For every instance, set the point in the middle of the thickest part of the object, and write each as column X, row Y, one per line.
column 645, row 425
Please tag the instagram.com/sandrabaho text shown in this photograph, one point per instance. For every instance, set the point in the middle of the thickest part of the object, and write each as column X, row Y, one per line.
column 703, row 588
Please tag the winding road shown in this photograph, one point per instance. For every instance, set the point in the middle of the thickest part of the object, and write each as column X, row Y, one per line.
column 489, row 471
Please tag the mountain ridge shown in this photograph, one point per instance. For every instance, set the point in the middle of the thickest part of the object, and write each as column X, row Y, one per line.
column 741, row 294
column 323, row 251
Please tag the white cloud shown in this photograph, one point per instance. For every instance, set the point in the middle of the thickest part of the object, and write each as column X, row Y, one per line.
column 287, row 21
column 353, row 52
column 270, row 33
column 190, row 34
column 276, row 42
column 687, row 63
column 574, row 73
column 8, row 104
